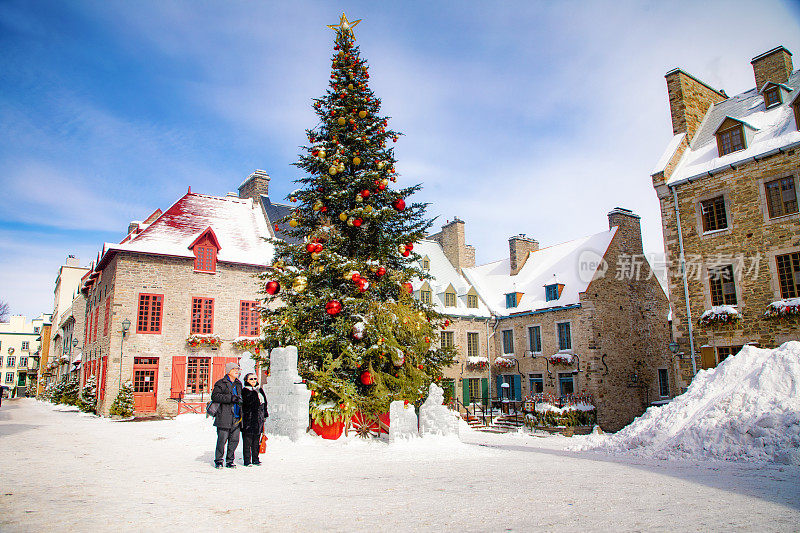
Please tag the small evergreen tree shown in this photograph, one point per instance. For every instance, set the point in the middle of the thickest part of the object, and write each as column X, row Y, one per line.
column 88, row 400
column 58, row 389
column 123, row 403
column 71, row 391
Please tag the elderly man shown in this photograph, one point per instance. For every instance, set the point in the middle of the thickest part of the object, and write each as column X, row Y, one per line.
column 227, row 393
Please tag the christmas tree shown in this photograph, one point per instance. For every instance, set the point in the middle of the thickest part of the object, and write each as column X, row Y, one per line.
column 363, row 340
column 88, row 400
column 123, row 403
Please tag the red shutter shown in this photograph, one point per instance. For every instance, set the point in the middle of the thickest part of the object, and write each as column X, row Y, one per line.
column 217, row 369
column 102, row 379
column 178, row 376
column 107, row 317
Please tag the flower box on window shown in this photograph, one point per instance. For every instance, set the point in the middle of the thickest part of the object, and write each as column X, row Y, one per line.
column 561, row 358
column 477, row 362
column 203, row 340
column 786, row 308
column 720, row 315
column 505, row 362
column 246, row 343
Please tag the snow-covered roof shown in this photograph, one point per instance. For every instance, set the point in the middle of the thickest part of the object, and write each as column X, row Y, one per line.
column 561, row 262
column 445, row 274
column 238, row 224
column 774, row 129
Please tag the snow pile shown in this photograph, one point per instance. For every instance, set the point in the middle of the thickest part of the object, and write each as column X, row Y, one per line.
column 747, row 408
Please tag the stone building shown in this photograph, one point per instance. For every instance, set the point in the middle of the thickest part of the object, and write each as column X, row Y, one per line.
column 20, row 349
column 174, row 301
column 584, row 316
column 727, row 184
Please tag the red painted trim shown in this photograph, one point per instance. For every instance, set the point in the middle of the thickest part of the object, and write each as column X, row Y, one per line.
column 202, row 300
column 107, row 317
column 178, row 385
column 253, row 306
column 148, row 314
column 208, row 234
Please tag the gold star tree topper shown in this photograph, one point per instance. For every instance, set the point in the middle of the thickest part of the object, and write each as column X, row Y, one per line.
column 345, row 25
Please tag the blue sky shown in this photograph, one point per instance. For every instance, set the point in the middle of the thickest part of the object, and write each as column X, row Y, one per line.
column 519, row 117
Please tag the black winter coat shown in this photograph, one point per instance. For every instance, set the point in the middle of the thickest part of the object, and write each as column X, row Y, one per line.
column 254, row 413
column 223, row 395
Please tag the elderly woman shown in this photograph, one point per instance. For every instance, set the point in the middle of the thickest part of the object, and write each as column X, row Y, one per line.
column 254, row 413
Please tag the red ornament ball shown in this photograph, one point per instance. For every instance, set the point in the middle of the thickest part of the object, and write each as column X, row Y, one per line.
column 365, row 193
column 399, row 204
column 380, row 272
column 366, row 378
column 310, row 247
column 273, row 287
column 333, row 307
column 408, row 287
column 420, row 367
column 410, row 246
column 406, row 253
column 317, row 247
column 357, row 222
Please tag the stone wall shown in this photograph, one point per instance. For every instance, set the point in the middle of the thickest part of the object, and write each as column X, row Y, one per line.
column 752, row 240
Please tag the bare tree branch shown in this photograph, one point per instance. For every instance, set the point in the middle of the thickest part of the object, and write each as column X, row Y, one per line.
column 5, row 310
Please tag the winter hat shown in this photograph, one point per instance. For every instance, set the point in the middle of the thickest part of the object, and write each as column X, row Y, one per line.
column 230, row 366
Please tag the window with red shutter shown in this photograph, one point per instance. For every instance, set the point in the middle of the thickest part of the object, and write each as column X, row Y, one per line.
column 107, row 317
column 149, row 313
column 202, row 316
column 248, row 319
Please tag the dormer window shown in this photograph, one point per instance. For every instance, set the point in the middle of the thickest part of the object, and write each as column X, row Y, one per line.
column 772, row 96
column 513, row 299
column 205, row 249
column 550, row 292
column 426, row 264
column 730, row 140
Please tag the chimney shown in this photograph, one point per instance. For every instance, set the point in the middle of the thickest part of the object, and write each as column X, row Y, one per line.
column 133, row 226
column 71, row 261
column 689, row 100
column 774, row 65
column 519, row 247
column 452, row 240
column 630, row 229
column 255, row 186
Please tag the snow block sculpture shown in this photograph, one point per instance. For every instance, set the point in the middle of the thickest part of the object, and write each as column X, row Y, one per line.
column 287, row 396
column 402, row 421
column 434, row 417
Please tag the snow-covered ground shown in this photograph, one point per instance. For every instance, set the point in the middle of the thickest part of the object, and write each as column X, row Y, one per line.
column 66, row 471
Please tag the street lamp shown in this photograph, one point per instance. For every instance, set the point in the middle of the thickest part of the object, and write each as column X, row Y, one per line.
column 126, row 325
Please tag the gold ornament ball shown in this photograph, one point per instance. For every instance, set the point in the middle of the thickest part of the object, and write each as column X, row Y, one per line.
column 350, row 86
column 341, row 167
column 300, row 283
column 293, row 223
column 356, row 161
column 322, row 154
column 315, row 256
column 359, row 198
column 342, row 216
column 332, row 171
column 368, row 209
column 362, row 114
column 349, row 221
column 380, row 164
column 384, row 182
column 341, row 121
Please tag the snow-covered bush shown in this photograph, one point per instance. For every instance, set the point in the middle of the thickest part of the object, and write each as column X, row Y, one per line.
column 70, row 391
column 123, row 403
column 88, row 400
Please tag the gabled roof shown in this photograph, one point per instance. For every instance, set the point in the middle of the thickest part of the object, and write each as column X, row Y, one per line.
column 775, row 130
column 444, row 275
column 729, row 122
column 493, row 280
column 237, row 225
column 771, row 83
column 207, row 234
column 275, row 212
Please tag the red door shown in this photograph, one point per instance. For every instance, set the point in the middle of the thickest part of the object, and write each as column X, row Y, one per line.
column 145, row 384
